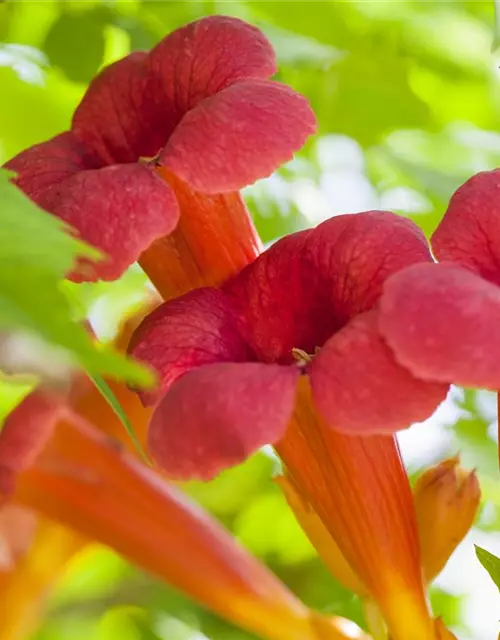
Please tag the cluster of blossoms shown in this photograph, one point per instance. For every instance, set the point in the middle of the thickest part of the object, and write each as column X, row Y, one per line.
column 324, row 345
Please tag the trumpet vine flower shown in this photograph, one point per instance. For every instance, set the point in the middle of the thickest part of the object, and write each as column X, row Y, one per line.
column 289, row 352
column 229, row 359
column 441, row 320
column 163, row 140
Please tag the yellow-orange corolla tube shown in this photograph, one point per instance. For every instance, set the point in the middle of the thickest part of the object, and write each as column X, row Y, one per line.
column 446, row 498
column 215, row 238
column 359, row 488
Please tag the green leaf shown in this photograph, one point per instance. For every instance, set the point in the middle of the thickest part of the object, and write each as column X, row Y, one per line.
column 35, row 253
column 104, row 389
column 491, row 563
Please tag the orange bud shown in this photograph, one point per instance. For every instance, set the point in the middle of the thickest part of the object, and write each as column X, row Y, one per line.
column 321, row 539
column 446, row 498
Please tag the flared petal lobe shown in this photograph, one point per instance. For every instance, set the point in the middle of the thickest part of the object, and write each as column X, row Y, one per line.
column 359, row 388
column 442, row 322
column 120, row 209
column 131, row 206
column 100, row 491
column 238, row 135
column 196, row 329
column 118, row 118
column 25, row 432
column 469, row 233
column 355, row 254
column 206, row 56
column 43, row 167
column 217, row 415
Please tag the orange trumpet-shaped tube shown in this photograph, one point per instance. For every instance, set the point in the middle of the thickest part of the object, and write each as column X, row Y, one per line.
column 214, row 239
column 84, row 480
column 360, row 490
column 446, row 499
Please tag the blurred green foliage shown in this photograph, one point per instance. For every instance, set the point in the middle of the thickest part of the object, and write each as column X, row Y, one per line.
column 408, row 102
column 36, row 252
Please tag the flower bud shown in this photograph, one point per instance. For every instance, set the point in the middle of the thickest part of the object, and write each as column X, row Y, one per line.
column 446, row 499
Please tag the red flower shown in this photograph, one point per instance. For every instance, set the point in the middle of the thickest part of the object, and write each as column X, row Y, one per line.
column 443, row 320
column 229, row 359
column 197, row 109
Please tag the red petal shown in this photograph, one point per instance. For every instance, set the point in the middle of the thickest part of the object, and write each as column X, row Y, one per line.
column 469, row 232
column 26, row 431
column 132, row 106
column 308, row 285
column 196, row 329
column 216, row 416
column 443, row 323
column 120, row 209
column 280, row 305
column 120, row 117
column 43, row 166
column 355, row 254
column 359, row 388
column 206, row 56
column 239, row 135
